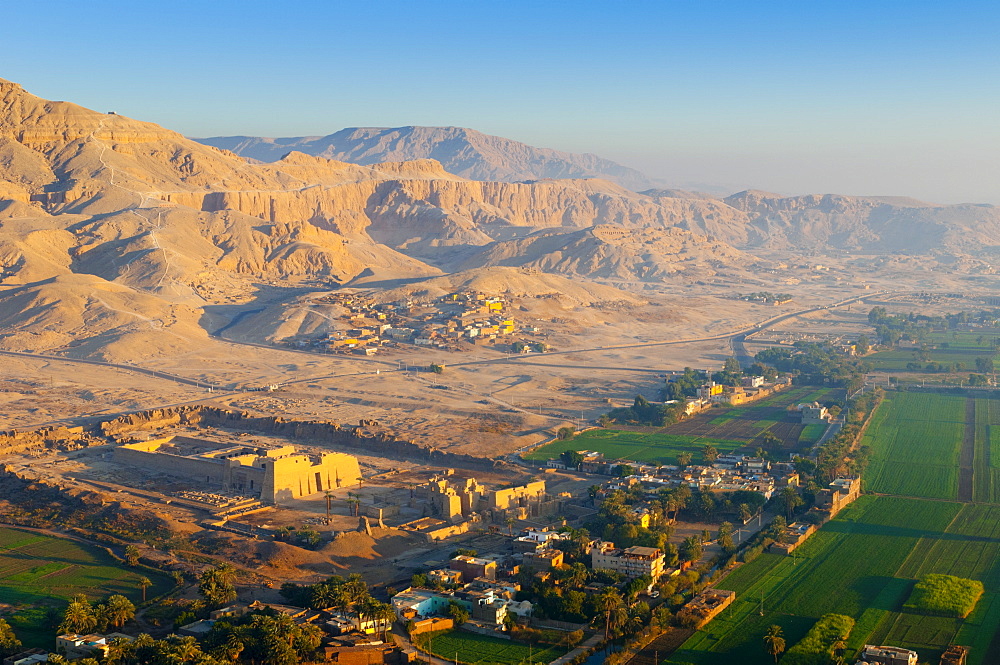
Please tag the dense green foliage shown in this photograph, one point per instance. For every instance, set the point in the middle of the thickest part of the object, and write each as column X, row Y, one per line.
column 265, row 637
column 685, row 385
column 838, row 456
column 642, row 412
column 945, row 595
column 817, row 364
column 174, row 649
column 816, row 648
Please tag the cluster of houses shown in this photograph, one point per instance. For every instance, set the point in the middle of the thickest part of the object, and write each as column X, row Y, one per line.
column 474, row 585
column 485, row 586
column 728, row 473
column 471, row 317
column 830, row 501
column 712, row 394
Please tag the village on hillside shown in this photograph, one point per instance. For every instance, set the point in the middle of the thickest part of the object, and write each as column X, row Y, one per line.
column 455, row 322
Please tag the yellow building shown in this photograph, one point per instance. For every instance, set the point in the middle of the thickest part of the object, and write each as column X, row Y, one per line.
column 273, row 474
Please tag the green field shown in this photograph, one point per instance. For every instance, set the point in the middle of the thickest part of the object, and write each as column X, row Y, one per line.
column 637, row 446
column 727, row 430
column 915, row 440
column 865, row 563
column 963, row 347
column 811, row 434
column 471, row 648
column 38, row 571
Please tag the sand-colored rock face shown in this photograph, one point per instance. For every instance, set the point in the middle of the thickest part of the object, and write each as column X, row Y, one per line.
column 140, row 228
column 615, row 252
column 463, row 151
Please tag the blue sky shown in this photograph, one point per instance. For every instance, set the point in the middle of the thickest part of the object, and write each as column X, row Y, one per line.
column 876, row 97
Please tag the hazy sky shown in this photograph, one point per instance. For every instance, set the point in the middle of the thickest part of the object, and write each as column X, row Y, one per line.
column 867, row 97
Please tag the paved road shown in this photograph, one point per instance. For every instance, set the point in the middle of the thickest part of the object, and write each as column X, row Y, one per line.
column 100, row 363
column 583, row 647
column 741, row 333
column 737, row 337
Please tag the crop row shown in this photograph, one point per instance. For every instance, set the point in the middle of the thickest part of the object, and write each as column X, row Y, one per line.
column 832, row 573
column 915, row 439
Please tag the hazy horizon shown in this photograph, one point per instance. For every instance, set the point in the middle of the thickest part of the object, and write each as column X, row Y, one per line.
column 896, row 99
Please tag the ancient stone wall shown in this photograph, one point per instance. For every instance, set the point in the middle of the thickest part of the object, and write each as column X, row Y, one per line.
column 60, row 437
column 307, row 432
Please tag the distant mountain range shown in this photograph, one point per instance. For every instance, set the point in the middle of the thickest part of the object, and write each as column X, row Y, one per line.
column 119, row 238
column 464, row 152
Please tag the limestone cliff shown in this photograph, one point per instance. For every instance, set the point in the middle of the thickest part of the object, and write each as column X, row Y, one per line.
column 616, row 252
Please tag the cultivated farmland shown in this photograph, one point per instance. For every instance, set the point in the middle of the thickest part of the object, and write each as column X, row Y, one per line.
column 950, row 348
column 829, row 574
column 935, row 447
column 916, row 440
column 727, row 429
column 38, row 571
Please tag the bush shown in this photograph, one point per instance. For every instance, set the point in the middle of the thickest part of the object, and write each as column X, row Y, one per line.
column 816, row 647
column 945, row 595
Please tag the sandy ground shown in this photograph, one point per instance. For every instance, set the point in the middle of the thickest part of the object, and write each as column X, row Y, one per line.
column 484, row 402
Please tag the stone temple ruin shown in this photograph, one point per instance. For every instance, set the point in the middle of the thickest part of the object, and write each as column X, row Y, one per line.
column 456, row 501
column 275, row 474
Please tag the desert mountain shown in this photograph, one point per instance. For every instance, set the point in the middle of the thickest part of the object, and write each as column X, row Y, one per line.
column 462, row 151
column 120, row 238
column 874, row 225
column 113, row 230
column 614, row 252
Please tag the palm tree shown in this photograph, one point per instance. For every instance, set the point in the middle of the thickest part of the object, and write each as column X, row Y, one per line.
column 790, row 499
column 610, row 602
column 184, row 648
column 131, row 555
column 355, row 501
column 365, row 608
column 774, row 642
column 322, row 596
column 144, row 584
column 9, row 644
column 78, row 618
column 385, row 615
column 510, row 525
column 231, row 649
column 119, row 651
column 120, row 610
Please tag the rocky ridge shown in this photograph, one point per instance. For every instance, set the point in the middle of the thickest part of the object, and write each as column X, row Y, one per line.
column 465, row 152
column 116, row 234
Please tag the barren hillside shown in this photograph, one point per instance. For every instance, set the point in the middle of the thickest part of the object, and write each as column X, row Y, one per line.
column 120, row 238
column 463, row 151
